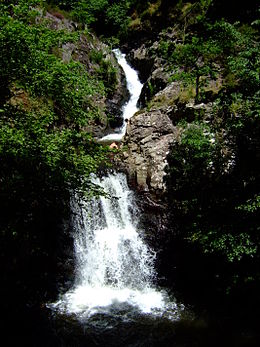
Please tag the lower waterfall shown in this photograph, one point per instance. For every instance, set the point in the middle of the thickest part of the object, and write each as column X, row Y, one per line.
column 114, row 266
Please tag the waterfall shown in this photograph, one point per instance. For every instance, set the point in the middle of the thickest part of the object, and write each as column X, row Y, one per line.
column 134, row 86
column 114, row 266
column 113, row 263
column 109, row 250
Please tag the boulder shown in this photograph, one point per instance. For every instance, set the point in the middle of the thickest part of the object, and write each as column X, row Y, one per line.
column 148, row 139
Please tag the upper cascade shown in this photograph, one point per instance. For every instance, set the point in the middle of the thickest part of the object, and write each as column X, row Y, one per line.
column 130, row 108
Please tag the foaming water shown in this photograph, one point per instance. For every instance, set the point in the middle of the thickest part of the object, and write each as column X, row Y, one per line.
column 115, row 272
column 134, row 86
column 114, row 266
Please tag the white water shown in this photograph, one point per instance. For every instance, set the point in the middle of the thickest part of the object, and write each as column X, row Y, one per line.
column 114, row 266
column 134, row 86
column 113, row 263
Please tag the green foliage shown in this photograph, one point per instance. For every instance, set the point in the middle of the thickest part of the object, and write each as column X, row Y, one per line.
column 203, row 9
column 199, row 61
column 205, row 194
column 46, row 104
column 89, row 12
column 216, row 195
column 251, row 205
column 233, row 246
column 69, row 154
column 105, row 71
column 106, row 17
column 193, row 159
column 226, row 50
column 26, row 57
column 213, row 170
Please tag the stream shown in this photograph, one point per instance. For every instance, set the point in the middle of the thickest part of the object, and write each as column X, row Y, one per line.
column 134, row 87
column 115, row 287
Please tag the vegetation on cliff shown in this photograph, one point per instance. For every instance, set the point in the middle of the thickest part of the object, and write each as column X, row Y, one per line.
column 49, row 103
column 214, row 168
column 211, row 60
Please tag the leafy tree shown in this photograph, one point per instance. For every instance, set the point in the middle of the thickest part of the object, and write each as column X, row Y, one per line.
column 213, row 173
column 46, row 152
column 45, row 108
column 89, row 12
column 198, row 59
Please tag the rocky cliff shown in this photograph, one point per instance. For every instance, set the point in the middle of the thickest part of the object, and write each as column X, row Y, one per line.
column 98, row 59
column 164, row 103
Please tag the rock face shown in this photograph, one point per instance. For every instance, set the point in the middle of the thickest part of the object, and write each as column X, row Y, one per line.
column 84, row 51
column 151, row 73
column 152, row 131
column 156, row 82
column 148, row 138
column 142, row 61
column 111, row 116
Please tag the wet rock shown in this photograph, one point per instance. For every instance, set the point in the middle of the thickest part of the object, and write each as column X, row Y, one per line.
column 142, row 61
column 116, row 101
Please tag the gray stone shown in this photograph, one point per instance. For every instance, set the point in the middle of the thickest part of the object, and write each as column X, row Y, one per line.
column 148, row 138
column 142, row 61
column 110, row 107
